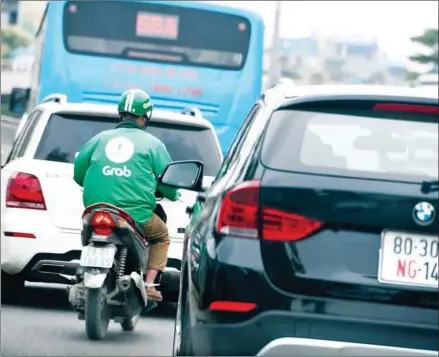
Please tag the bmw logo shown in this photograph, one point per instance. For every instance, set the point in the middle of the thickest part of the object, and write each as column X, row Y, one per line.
column 424, row 213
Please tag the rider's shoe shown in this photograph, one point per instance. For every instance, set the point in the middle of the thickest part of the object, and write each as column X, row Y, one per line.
column 153, row 294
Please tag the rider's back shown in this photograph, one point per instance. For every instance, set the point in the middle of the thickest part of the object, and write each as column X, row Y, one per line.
column 123, row 171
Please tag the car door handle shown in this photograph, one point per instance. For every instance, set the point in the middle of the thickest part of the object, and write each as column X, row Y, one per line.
column 201, row 197
column 190, row 210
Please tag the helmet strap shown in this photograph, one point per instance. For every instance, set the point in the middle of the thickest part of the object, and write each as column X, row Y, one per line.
column 147, row 117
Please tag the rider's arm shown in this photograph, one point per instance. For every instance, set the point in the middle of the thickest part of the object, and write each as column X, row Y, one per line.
column 160, row 161
column 82, row 161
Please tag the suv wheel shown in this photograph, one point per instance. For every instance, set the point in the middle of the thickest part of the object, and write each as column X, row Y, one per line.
column 182, row 342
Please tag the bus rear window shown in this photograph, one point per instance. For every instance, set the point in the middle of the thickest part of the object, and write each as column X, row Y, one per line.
column 155, row 32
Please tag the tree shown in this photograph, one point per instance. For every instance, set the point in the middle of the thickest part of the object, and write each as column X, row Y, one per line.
column 429, row 39
column 12, row 38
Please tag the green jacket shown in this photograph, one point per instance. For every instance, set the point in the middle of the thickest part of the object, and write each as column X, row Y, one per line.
column 121, row 167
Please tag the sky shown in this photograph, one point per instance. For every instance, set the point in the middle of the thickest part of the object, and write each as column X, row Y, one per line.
column 391, row 22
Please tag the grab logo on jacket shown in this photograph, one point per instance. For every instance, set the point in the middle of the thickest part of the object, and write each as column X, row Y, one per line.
column 119, row 150
column 116, row 171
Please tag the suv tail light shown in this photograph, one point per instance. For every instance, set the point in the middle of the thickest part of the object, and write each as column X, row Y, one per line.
column 102, row 223
column 241, row 216
column 409, row 108
column 238, row 214
column 24, row 191
column 282, row 226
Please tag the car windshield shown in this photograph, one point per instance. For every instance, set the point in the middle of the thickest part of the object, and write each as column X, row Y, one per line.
column 66, row 133
column 358, row 146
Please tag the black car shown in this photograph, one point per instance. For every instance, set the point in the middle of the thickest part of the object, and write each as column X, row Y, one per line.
column 319, row 235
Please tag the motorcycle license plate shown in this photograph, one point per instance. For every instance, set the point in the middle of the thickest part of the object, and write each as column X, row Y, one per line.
column 101, row 257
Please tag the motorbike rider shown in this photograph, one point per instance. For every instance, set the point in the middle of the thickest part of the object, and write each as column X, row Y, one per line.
column 121, row 167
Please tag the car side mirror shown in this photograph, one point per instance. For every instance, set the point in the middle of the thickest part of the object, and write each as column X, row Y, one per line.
column 186, row 174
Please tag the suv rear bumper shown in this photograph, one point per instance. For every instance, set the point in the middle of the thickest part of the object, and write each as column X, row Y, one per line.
column 62, row 269
column 304, row 347
column 295, row 334
column 52, row 268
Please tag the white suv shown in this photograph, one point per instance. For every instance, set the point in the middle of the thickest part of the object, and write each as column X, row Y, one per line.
column 41, row 205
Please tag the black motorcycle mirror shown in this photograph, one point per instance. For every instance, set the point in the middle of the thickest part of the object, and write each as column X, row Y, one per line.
column 186, row 174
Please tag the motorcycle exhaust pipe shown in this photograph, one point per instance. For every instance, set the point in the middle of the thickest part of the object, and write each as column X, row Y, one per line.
column 124, row 283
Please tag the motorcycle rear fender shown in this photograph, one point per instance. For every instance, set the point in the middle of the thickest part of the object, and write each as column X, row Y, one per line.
column 94, row 277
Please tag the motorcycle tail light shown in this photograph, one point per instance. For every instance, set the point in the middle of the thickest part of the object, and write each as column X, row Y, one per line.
column 102, row 223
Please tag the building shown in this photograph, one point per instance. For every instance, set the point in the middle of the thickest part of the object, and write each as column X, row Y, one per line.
column 9, row 12
column 321, row 59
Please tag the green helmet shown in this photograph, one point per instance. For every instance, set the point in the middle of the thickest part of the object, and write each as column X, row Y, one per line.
column 136, row 102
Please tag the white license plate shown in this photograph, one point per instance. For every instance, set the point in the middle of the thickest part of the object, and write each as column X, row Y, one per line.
column 101, row 257
column 408, row 259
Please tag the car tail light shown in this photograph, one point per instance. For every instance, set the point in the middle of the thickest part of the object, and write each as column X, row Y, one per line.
column 24, row 191
column 102, row 223
column 238, row 214
column 241, row 216
column 410, row 108
column 232, row 306
column 283, row 226
column 19, row 235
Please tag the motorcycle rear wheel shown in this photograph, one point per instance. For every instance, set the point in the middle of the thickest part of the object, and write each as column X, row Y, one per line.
column 97, row 313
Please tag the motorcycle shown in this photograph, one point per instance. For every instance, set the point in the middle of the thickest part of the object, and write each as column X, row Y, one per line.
column 110, row 284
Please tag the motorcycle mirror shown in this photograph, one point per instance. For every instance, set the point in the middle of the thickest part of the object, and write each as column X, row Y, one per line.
column 186, row 174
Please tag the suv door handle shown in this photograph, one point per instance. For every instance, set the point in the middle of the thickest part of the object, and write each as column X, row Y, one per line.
column 190, row 210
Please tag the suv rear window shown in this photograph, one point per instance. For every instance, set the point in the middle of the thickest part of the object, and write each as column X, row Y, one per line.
column 357, row 145
column 156, row 32
column 66, row 133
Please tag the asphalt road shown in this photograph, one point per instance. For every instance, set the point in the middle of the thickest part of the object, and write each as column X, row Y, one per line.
column 45, row 325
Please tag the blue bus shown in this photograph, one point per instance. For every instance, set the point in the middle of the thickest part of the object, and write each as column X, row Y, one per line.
column 185, row 54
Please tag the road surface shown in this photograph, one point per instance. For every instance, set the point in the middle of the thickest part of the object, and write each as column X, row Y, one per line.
column 45, row 325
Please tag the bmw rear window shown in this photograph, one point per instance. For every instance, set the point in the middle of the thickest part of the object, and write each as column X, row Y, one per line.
column 399, row 146
column 66, row 133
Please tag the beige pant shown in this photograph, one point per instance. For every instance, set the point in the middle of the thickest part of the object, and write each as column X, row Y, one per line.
column 157, row 235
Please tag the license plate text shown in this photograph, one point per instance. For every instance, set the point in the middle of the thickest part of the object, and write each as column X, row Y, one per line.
column 409, row 259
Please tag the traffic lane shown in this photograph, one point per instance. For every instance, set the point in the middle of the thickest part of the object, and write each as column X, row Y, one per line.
column 45, row 325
